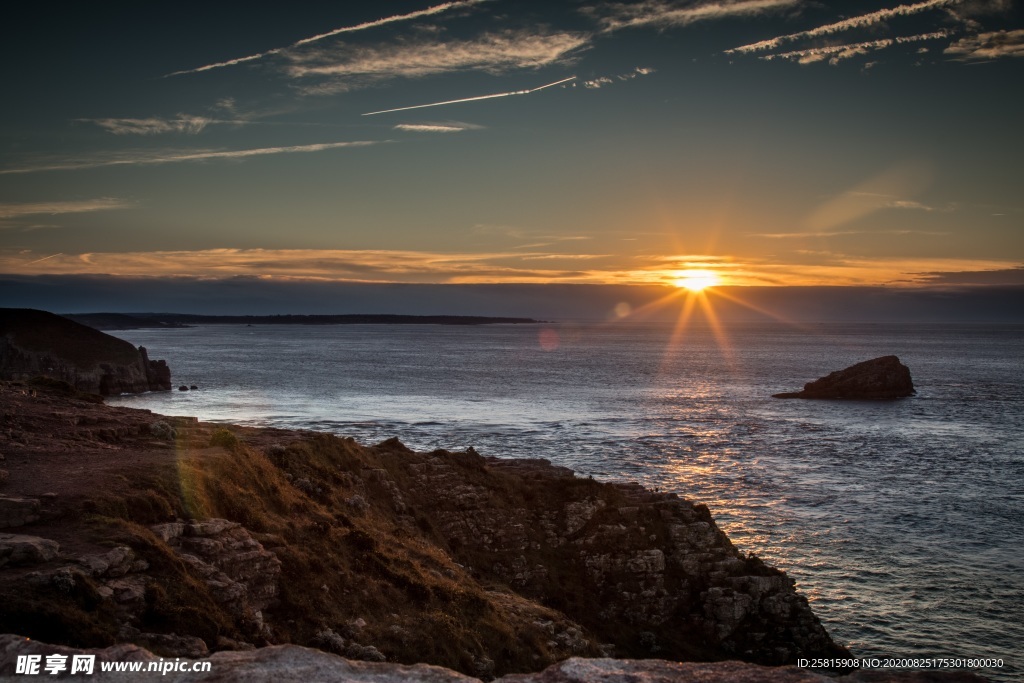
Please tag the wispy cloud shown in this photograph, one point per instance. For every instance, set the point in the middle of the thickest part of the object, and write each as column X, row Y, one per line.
column 861, row 21
column 992, row 45
column 660, row 13
column 62, row 207
column 340, row 68
column 157, row 157
column 837, row 53
column 510, row 93
column 601, row 81
column 430, row 11
column 840, row 233
column 155, row 125
column 445, row 127
column 331, row 265
column 1000, row 276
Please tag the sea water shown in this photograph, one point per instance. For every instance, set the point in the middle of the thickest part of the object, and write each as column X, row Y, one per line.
column 901, row 521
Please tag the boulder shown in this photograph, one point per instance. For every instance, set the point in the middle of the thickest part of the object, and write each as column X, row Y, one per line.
column 875, row 379
column 26, row 550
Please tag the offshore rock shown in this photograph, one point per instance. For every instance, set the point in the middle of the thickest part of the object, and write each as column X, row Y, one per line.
column 876, row 379
column 294, row 664
column 40, row 344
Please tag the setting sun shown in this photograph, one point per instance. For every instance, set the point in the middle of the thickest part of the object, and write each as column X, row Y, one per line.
column 695, row 280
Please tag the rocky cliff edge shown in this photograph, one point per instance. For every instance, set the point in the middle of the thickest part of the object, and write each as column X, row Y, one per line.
column 122, row 526
column 40, row 344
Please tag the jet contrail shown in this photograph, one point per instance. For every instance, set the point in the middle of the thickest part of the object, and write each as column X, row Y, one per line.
column 436, row 9
column 473, row 99
column 59, row 253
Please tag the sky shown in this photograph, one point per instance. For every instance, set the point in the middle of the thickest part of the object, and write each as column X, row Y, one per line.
column 770, row 142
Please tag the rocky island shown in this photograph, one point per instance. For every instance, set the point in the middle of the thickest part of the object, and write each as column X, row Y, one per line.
column 876, row 379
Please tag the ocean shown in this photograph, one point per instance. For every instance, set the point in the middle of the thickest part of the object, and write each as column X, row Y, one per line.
column 901, row 521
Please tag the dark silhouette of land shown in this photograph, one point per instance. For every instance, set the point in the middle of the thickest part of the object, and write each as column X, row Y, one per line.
column 122, row 321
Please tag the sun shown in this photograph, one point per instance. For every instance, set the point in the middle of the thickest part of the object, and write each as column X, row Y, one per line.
column 695, row 280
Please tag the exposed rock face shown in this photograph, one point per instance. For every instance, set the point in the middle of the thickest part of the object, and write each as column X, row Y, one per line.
column 293, row 664
column 36, row 343
column 629, row 560
column 879, row 378
column 241, row 574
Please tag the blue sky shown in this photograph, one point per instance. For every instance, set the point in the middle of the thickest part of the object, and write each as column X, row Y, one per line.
column 771, row 142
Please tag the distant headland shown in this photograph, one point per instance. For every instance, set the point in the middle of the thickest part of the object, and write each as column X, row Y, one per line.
column 135, row 321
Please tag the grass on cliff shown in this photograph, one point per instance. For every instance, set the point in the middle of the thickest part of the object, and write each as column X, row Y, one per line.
column 325, row 508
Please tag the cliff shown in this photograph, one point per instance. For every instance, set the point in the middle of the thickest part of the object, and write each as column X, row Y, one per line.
column 36, row 343
column 121, row 526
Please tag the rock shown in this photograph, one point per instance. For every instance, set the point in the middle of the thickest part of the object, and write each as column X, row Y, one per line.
column 578, row 670
column 241, row 574
column 17, row 511
column 40, row 344
column 173, row 645
column 193, row 387
column 112, row 564
column 26, row 550
column 879, row 378
column 183, row 388
column 294, row 664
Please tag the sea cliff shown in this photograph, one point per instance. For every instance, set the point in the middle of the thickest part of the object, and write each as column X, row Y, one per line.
column 40, row 344
column 123, row 526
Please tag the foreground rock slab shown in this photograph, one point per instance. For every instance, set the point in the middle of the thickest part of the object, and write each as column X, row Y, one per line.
column 876, row 379
column 294, row 664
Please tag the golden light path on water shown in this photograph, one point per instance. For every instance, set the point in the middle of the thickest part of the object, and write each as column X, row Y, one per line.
column 709, row 476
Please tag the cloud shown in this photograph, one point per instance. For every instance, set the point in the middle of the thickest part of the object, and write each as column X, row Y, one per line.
column 308, row 264
column 157, row 157
column 344, row 67
column 907, row 204
column 62, row 207
column 510, row 93
column 430, row 11
column 666, row 14
column 837, row 53
column 1002, row 276
column 446, row 127
column 861, row 21
column 992, row 45
column 841, row 233
column 602, row 81
column 183, row 123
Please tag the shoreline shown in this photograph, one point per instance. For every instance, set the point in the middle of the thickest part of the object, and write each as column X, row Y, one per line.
column 614, row 569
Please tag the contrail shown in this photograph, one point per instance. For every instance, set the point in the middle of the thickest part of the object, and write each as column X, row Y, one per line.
column 436, row 9
column 473, row 99
column 59, row 253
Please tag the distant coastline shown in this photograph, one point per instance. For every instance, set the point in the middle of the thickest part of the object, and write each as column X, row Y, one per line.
column 135, row 321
